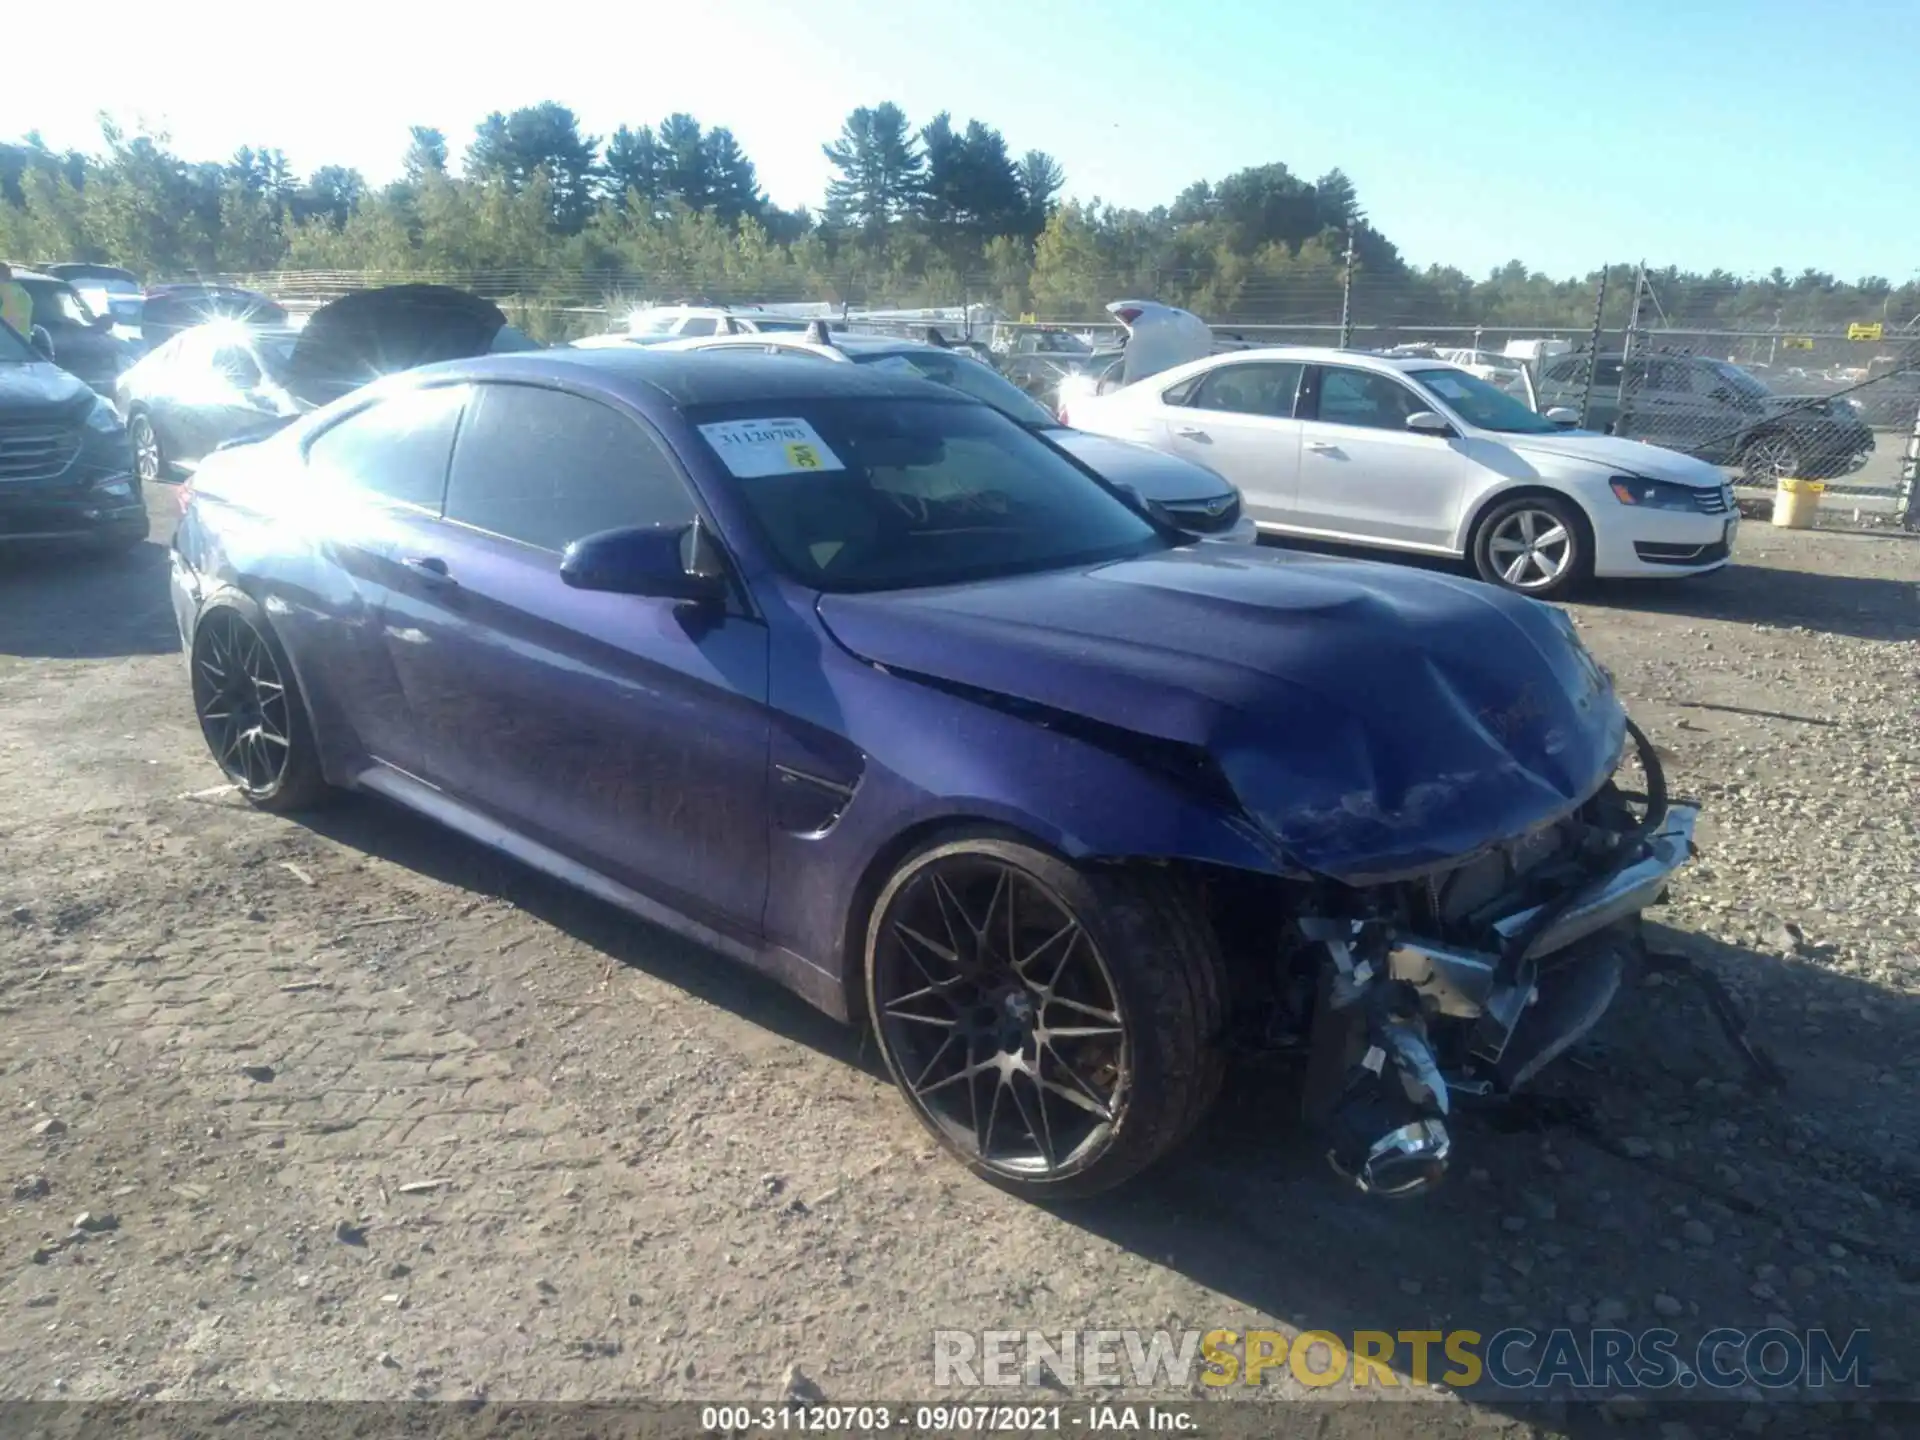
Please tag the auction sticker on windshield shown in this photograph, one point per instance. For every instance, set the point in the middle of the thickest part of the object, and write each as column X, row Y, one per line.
column 751, row 449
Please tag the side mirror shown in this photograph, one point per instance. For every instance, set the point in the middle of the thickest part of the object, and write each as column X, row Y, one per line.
column 1565, row 418
column 1426, row 422
column 666, row 562
column 42, row 342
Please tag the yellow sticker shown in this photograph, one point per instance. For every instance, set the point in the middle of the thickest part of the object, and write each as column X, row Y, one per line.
column 803, row 457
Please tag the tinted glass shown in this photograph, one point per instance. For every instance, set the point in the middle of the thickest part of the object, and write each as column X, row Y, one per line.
column 14, row 350
column 1367, row 399
column 699, row 325
column 546, row 468
column 1606, row 372
column 1481, row 403
column 396, row 448
column 902, row 493
column 1258, row 389
column 966, row 375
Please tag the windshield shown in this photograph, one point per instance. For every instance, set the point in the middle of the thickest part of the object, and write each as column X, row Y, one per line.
column 1740, row 382
column 969, row 377
column 1484, row 406
column 891, row 494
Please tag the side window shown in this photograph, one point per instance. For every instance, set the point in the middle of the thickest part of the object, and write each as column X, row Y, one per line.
column 545, row 468
column 1182, row 394
column 236, row 366
column 1259, row 389
column 697, row 325
column 1606, row 372
column 396, row 448
column 1365, row 398
column 1671, row 377
column 1568, row 372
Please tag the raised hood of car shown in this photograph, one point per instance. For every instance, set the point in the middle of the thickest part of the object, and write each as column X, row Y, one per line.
column 371, row 333
column 1628, row 457
column 1373, row 721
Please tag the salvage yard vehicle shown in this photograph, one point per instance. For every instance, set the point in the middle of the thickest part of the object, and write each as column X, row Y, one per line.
column 1183, row 494
column 83, row 343
column 66, row 473
column 223, row 380
column 1415, row 455
column 853, row 679
column 1715, row 411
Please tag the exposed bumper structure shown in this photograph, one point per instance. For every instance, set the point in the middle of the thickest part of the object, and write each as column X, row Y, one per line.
column 1408, row 1022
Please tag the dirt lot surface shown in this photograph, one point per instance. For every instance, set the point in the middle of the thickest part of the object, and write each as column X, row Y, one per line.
column 354, row 1109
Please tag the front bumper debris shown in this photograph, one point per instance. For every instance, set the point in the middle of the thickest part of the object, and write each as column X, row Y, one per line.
column 1406, row 1022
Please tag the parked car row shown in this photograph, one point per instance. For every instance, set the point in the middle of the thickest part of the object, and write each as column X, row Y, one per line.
column 851, row 668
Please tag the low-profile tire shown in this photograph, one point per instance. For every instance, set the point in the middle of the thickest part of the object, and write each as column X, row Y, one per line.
column 1770, row 457
column 250, row 709
column 1058, row 1029
column 1539, row 545
column 150, row 461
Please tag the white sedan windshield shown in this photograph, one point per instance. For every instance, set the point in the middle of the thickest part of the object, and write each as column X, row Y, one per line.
column 1484, row 406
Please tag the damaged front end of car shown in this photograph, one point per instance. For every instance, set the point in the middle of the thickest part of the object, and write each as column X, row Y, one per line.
column 1463, row 984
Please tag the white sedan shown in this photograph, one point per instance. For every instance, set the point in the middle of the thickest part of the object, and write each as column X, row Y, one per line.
column 1416, row 455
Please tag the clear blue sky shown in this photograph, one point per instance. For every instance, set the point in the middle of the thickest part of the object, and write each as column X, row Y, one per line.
column 1739, row 133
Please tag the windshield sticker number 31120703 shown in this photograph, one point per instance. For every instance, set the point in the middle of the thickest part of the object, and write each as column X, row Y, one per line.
column 751, row 449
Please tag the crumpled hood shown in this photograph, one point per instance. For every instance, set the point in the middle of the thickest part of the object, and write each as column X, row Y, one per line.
column 1373, row 720
column 1629, row 457
column 40, row 391
column 371, row 333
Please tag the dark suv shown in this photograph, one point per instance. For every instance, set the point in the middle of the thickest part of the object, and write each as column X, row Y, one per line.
column 65, row 465
column 1714, row 411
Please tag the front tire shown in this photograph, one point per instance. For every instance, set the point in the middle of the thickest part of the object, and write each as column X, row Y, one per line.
column 1056, row 1029
column 1537, row 544
column 150, row 461
column 251, row 712
column 1770, row 457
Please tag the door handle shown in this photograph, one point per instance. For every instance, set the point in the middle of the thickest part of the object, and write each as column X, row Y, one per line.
column 1323, row 447
column 1190, row 432
column 430, row 568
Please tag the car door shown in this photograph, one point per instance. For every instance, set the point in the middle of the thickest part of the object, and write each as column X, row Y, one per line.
column 374, row 482
column 628, row 733
column 1238, row 421
column 177, row 383
column 1363, row 474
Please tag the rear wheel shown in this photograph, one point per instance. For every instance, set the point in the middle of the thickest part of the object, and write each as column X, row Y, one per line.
column 250, row 711
column 1057, row 1029
column 1537, row 544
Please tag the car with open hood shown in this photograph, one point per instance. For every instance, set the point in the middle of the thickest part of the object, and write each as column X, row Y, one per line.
column 1413, row 454
column 1184, row 495
column 228, row 379
column 66, row 472
column 166, row 310
column 849, row 677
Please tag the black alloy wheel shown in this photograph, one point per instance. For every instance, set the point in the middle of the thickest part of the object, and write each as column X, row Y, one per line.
column 1048, row 1027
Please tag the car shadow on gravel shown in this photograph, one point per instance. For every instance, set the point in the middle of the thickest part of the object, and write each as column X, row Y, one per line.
column 86, row 606
column 1857, row 606
column 395, row 834
column 1551, row 1208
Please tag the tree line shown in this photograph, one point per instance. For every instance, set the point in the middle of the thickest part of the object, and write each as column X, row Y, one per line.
column 537, row 211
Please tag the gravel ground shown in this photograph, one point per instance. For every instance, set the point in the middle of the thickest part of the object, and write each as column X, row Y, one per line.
column 346, row 1107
